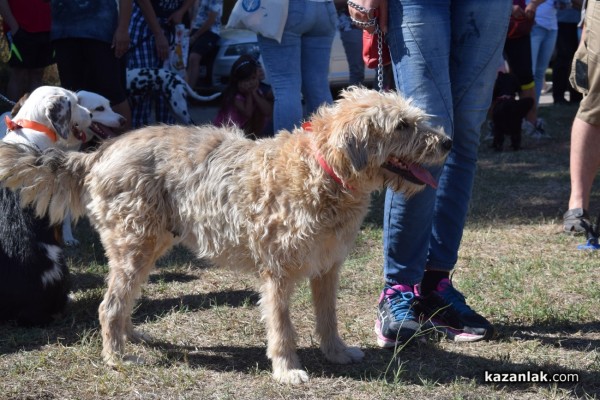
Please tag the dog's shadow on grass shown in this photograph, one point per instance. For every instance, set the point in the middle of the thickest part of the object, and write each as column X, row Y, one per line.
column 81, row 318
column 424, row 364
column 152, row 309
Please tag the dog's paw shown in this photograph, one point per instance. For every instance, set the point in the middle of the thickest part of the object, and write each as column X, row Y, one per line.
column 116, row 361
column 291, row 376
column 112, row 360
column 344, row 355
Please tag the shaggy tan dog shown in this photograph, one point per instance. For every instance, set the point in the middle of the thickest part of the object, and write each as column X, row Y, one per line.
column 286, row 208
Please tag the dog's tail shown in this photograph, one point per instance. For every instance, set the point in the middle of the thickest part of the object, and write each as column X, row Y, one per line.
column 198, row 97
column 51, row 181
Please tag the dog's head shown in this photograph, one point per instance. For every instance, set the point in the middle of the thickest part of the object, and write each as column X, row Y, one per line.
column 104, row 119
column 373, row 139
column 506, row 84
column 56, row 108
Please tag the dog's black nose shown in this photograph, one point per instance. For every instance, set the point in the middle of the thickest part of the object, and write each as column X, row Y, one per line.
column 446, row 143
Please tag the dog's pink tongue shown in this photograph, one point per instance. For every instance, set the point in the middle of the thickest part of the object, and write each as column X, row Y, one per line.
column 423, row 175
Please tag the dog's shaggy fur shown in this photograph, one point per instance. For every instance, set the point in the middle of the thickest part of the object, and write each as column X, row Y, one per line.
column 285, row 208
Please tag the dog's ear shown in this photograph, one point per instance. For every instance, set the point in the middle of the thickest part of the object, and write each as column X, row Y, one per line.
column 357, row 152
column 17, row 107
column 58, row 111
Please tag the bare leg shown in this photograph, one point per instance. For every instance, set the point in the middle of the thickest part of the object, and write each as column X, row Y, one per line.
column 532, row 114
column 584, row 162
column 193, row 69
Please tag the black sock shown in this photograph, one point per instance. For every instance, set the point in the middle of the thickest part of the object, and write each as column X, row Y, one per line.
column 431, row 279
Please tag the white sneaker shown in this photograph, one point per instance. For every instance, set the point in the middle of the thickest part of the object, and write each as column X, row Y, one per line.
column 536, row 131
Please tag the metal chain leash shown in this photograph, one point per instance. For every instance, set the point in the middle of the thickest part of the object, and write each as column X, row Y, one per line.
column 379, row 58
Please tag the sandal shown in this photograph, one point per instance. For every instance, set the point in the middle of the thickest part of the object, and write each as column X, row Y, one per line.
column 576, row 220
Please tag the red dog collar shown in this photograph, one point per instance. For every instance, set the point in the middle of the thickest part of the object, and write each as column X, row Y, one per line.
column 323, row 163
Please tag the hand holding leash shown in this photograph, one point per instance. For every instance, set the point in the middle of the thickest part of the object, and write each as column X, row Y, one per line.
column 368, row 14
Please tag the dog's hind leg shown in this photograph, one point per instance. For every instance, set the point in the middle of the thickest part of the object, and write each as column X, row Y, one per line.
column 128, row 271
column 281, row 337
column 324, row 289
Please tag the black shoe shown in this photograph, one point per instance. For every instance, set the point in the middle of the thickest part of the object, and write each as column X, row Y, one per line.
column 446, row 310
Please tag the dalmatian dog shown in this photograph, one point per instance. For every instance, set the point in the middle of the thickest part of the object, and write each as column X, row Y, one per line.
column 145, row 81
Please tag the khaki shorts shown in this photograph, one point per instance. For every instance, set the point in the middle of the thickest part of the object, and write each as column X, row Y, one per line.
column 585, row 70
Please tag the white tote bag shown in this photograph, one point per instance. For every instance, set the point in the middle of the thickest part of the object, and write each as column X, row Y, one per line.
column 266, row 17
column 178, row 51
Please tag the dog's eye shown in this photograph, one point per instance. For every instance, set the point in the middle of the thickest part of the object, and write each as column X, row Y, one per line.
column 101, row 108
column 402, row 125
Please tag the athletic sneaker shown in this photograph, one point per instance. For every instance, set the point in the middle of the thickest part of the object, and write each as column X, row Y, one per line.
column 446, row 310
column 396, row 322
column 537, row 131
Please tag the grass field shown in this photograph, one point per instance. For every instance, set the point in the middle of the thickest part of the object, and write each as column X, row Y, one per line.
column 515, row 266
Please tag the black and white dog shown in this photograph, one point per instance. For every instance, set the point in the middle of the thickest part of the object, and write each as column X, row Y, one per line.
column 143, row 82
column 508, row 111
column 34, row 279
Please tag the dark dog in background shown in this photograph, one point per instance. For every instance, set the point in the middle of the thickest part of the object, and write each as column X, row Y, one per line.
column 508, row 111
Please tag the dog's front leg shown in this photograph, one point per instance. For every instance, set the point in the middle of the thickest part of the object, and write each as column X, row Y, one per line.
column 324, row 291
column 281, row 337
column 67, row 232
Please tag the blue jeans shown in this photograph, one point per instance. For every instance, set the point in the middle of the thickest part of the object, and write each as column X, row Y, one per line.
column 298, row 67
column 445, row 55
column 543, row 42
column 352, row 40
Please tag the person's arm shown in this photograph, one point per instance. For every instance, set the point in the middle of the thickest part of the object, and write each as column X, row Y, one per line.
column 177, row 16
column 378, row 7
column 162, row 44
column 121, row 36
column 532, row 7
column 8, row 16
column 264, row 106
column 212, row 17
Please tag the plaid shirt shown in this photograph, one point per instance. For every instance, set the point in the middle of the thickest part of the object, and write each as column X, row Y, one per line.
column 142, row 54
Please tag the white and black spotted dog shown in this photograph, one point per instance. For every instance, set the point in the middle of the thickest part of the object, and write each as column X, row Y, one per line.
column 34, row 279
column 145, row 81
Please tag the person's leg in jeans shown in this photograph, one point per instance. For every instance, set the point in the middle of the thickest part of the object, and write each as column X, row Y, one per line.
column 316, row 53
column 543, row 42
column 352, row 42
column 297, row 59
column 444, row 57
